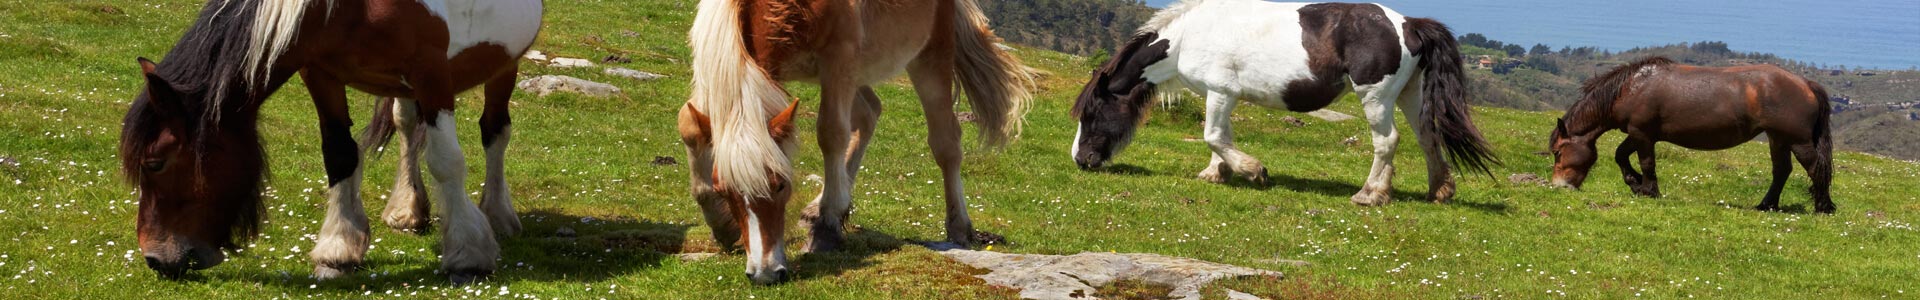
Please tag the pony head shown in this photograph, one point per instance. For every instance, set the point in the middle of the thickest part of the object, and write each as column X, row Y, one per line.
column 1573, row 156
column 1115, row 101
column 198, row 182
column 760, row 219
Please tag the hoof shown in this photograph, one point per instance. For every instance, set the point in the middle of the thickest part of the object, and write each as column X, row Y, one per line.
column 1824, row 208
column 465, row 276
column 1767, row 207
column 329, row 271
column 1258, row 177
column 1211, row 175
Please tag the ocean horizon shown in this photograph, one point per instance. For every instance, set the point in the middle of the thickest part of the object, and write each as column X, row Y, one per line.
column 1874, row 34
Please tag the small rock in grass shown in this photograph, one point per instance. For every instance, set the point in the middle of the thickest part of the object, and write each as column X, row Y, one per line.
column 548, row 84
column 1330, row 116
column 565, row 232
column 695, row 256
column 1527, row 178
column 616, row 58
column 1290, row 120
column 1351, row 141
column 664, row 161
column 633, row 74
column 535, row 55
column 563, row 62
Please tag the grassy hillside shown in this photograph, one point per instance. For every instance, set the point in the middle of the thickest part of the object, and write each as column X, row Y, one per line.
column 66, row 219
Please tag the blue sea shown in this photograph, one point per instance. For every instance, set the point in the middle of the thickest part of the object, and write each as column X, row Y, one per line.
column 1877, row 34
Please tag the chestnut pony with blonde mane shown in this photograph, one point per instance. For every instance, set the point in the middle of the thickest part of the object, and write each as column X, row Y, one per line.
column 190, row 141
column 738, row 126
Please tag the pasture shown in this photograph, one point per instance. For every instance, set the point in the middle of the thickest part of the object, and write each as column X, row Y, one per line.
column 604, row 220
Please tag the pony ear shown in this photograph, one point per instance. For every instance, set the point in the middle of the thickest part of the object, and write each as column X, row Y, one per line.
column 695, row 127
column 782, row 125
column 161, row 95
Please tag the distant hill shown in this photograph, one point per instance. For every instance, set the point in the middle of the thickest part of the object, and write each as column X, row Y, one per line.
column 1080, row 27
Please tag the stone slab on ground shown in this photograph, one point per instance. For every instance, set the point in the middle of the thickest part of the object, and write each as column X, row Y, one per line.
column 1330, row 116
column 544, row 85
column 1050, row 277
column 633, row 74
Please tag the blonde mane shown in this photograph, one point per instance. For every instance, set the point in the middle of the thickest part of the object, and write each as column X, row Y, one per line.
column 739, row 98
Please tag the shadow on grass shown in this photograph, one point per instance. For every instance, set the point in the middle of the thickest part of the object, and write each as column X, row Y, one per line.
column 1124, row 169
column 862, row 245
column 1346, row 189
column 588, row 249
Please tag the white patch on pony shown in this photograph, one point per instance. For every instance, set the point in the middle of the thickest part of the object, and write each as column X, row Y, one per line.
column 468, row 240
column 343, row 236
column 763, row 260
column 509, row 23
column 1197, row 60
column 1075, row 153
column 498, row 198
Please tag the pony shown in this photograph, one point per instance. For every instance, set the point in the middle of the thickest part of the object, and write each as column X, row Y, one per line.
column 1296, row 56
column 737, row 125
column 1704, row 108
column 190, row 140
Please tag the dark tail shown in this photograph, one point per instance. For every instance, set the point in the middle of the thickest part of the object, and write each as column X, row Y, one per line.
column 1445, row 105
column 1822, row 169
column 379, row 129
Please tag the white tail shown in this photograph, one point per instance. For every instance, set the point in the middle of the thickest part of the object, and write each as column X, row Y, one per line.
column 738, row 97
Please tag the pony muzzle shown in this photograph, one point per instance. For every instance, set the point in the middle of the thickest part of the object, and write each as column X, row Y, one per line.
column 175, row 259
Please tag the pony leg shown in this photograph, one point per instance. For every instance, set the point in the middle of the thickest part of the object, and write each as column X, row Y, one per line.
column 407, row 207
column 1817, row 158
column 866, row 114
column 1782, row 168
column 343, row 236
column 1440, row 187
column 496, row 130
column 1623, row 156
column 932, row 76
column 834, row 134
column 1379, row 186
column 468, row 248
column 1219, row 136
column 1650, row 182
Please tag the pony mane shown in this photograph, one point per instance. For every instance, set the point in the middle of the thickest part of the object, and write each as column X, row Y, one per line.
column 1167, row 15
column 739, row 98
column 274, row 25
column 1601, row 91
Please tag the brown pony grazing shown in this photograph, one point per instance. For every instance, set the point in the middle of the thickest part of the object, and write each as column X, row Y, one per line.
column 738, row 124
column 190, row 140
column 1655, row 100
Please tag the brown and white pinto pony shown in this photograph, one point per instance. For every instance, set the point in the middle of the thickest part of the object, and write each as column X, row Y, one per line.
column 1656, row 100
column 191, row 146
column 738, row 125
column 1296, row 56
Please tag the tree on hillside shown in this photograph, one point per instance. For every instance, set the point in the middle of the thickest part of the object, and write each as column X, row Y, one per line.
column 1514, row 50
column 1540, row 49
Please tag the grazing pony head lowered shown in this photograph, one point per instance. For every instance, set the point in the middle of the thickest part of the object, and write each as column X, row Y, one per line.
column 1115, row 101
column 199, row 178
column 1572, row 144
column 760, row 217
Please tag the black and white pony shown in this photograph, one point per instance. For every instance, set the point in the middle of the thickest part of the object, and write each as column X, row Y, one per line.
column 1297, row 56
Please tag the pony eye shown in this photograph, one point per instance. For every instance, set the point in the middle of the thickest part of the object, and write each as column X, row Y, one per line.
column 154, row 165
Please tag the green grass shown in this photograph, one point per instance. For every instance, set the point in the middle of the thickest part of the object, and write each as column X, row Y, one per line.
column 66, row 219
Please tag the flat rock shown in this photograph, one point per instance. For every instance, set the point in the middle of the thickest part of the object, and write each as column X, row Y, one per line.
column 1063, row 277
column 535, row 55
column 633, row 74
column 564, row 62
column 695, row 256
column 1330, row 116
column 548, row 84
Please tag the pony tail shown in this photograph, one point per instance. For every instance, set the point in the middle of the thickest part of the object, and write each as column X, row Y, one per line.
column 996, row 83
column 379, row 129
column 1445, row 108
column 1822, row 168
column 738, row 97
